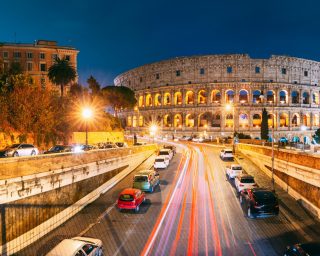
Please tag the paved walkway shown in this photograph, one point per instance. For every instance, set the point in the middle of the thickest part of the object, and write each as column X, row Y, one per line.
column 305, row 223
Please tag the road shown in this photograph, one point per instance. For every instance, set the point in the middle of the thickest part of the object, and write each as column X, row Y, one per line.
column 194, row 211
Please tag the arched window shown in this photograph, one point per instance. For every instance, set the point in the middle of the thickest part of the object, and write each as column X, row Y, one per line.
column 229, row 96
column 270, row 97
column 167, row 99
column 283, row 97
column 140, row 121
column 256, row 96
column 141, row 101
column 190, row 120
column 306, row 98
column 284, row 120
column 243, row 120
column 202, row 97
column 295, row 97
column 157, row 99
column 189, row 97
column 178, row 98
column 148, row 100
column 215, row 96
column 177, row 121
column 243, row 96
column 256, row 120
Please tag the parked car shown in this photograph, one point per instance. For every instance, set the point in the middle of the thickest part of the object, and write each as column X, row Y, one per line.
column 244, row 181
column 233, row 170
column 146, row 180
column 58, row 149
column 161, row 162
column 166, row 152
column 22, row 149
column 84, row 246
column 226, row 154
column 121, row 144
column 198, row 139
column 259, row 202
column 131, row 199
column 312, row 249
column 173, row 148
column 81, row 148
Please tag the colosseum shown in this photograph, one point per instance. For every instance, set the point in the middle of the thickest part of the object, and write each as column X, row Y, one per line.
column 218, row 94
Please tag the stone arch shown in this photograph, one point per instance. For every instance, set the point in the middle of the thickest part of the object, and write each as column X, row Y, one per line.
column 283, row 97
column 177, row 120
column 205, row 119
column 271, row 98
column 178, row 98
column 306, row 120
column 294, row 97
column 229, row 120
column 148, row 100
column 256, row 120
column 141, row 101
column 315, row 98
column 229, row 96
column 167, row 120
column 272, row 120
column 140, row 120
column 315, row 120
column 129, row 121
column 202, row 97
column 256, row 96
column 216, row 96
column 134, row 121
column 216, row 120
column 243, row 120
column 243, row 96
column 190, row 120
column 167, row 99
column 189, row 97
column 295, row 121
column 157, row 99
column 305, row 98
column 284, row 120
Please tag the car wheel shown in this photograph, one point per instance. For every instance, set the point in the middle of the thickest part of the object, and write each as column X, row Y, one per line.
column 137, row 208
column 33, row 153
column 15, row 154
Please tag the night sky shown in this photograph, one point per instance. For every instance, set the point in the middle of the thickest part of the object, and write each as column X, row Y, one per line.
column 114, row 36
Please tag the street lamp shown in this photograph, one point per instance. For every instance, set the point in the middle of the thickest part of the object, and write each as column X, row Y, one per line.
column 228, row 108
column 153, row 129
column 86, row 114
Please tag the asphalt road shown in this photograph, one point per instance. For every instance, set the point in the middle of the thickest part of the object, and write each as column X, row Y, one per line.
column 194, row 211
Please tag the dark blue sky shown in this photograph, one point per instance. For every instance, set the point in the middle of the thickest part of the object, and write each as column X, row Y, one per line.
column 114, row 36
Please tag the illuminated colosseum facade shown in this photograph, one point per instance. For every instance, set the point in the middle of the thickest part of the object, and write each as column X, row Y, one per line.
column 189, row 95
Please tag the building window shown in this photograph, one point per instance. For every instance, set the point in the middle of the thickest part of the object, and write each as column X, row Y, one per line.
column 202, row 71
column 257, row 70
column 17, row 54
column 229, row 70
column 29, row 55
column 305, row 73
column 29, row 66
column 178, row 73
column 157, row 76
column 42, row 56
column 54, row 56
column 43, row 67
column 5, row 55
column 283, row 71
column 67, row 57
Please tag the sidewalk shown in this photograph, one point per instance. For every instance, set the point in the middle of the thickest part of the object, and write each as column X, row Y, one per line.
column 303, row 221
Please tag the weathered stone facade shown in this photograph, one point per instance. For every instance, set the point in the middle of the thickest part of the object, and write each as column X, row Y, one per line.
column 189, row 94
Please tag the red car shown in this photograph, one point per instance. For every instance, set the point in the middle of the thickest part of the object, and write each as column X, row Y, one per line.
column 130, row 199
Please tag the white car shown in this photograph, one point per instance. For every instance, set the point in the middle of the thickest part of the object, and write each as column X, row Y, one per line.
column 244, row 181
column 226, row 154
column 233, row 170
column 161, row 162
column 83, row 246
column 22, row 149
column 196, row 139
column 166, row 152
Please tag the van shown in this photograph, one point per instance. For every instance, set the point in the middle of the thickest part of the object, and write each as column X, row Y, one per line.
column 146, row 180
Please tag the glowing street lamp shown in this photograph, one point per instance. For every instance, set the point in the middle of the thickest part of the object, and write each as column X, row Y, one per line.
column 153, row 129
column 87, row 114
column 228, row 108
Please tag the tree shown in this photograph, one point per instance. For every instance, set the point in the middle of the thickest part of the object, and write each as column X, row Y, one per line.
column 264, row 125
column 119, row 97
column 62, row 73
column 93, row 85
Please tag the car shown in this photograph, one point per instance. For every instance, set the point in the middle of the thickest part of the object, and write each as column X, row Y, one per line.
column 166, row 152
column 130, row 199
column 58, row 149
column 173, row 148
column 259, row 202
column 161, row 162
column 226, row 154
column 21, row 149
column 244, row 181
column 121, row 144
column 197, row 139
column 233, row 170
column 146, row 180
column 81, row 148
column 84, row 246
column 311, row 248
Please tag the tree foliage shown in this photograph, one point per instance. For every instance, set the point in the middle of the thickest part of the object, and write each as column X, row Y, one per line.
column 62, row 73
column 94, row 86
column 264, row 125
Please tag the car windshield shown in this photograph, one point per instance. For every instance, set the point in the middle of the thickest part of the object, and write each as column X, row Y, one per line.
column 247, row 180
column 164, row 153
column 126, row 197
column 140, row 178
column 264, row 197
column 237, row 168
column 228, row 152
column 160, row 160
column 13, row 146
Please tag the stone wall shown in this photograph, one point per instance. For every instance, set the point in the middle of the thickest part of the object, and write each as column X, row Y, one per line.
column 297, row 173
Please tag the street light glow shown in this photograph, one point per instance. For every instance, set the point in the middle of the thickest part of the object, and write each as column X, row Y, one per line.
column 87, row 113
column 153, row 128
column 228, row 107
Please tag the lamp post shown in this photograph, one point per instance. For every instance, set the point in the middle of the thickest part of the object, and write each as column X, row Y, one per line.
column 153, row 129
column 86, row 114
column 228, row 107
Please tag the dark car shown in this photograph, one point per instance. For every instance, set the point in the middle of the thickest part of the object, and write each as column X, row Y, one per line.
column 259, row 202
column 173, row 148
column 58, row 149
column 307, row 249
